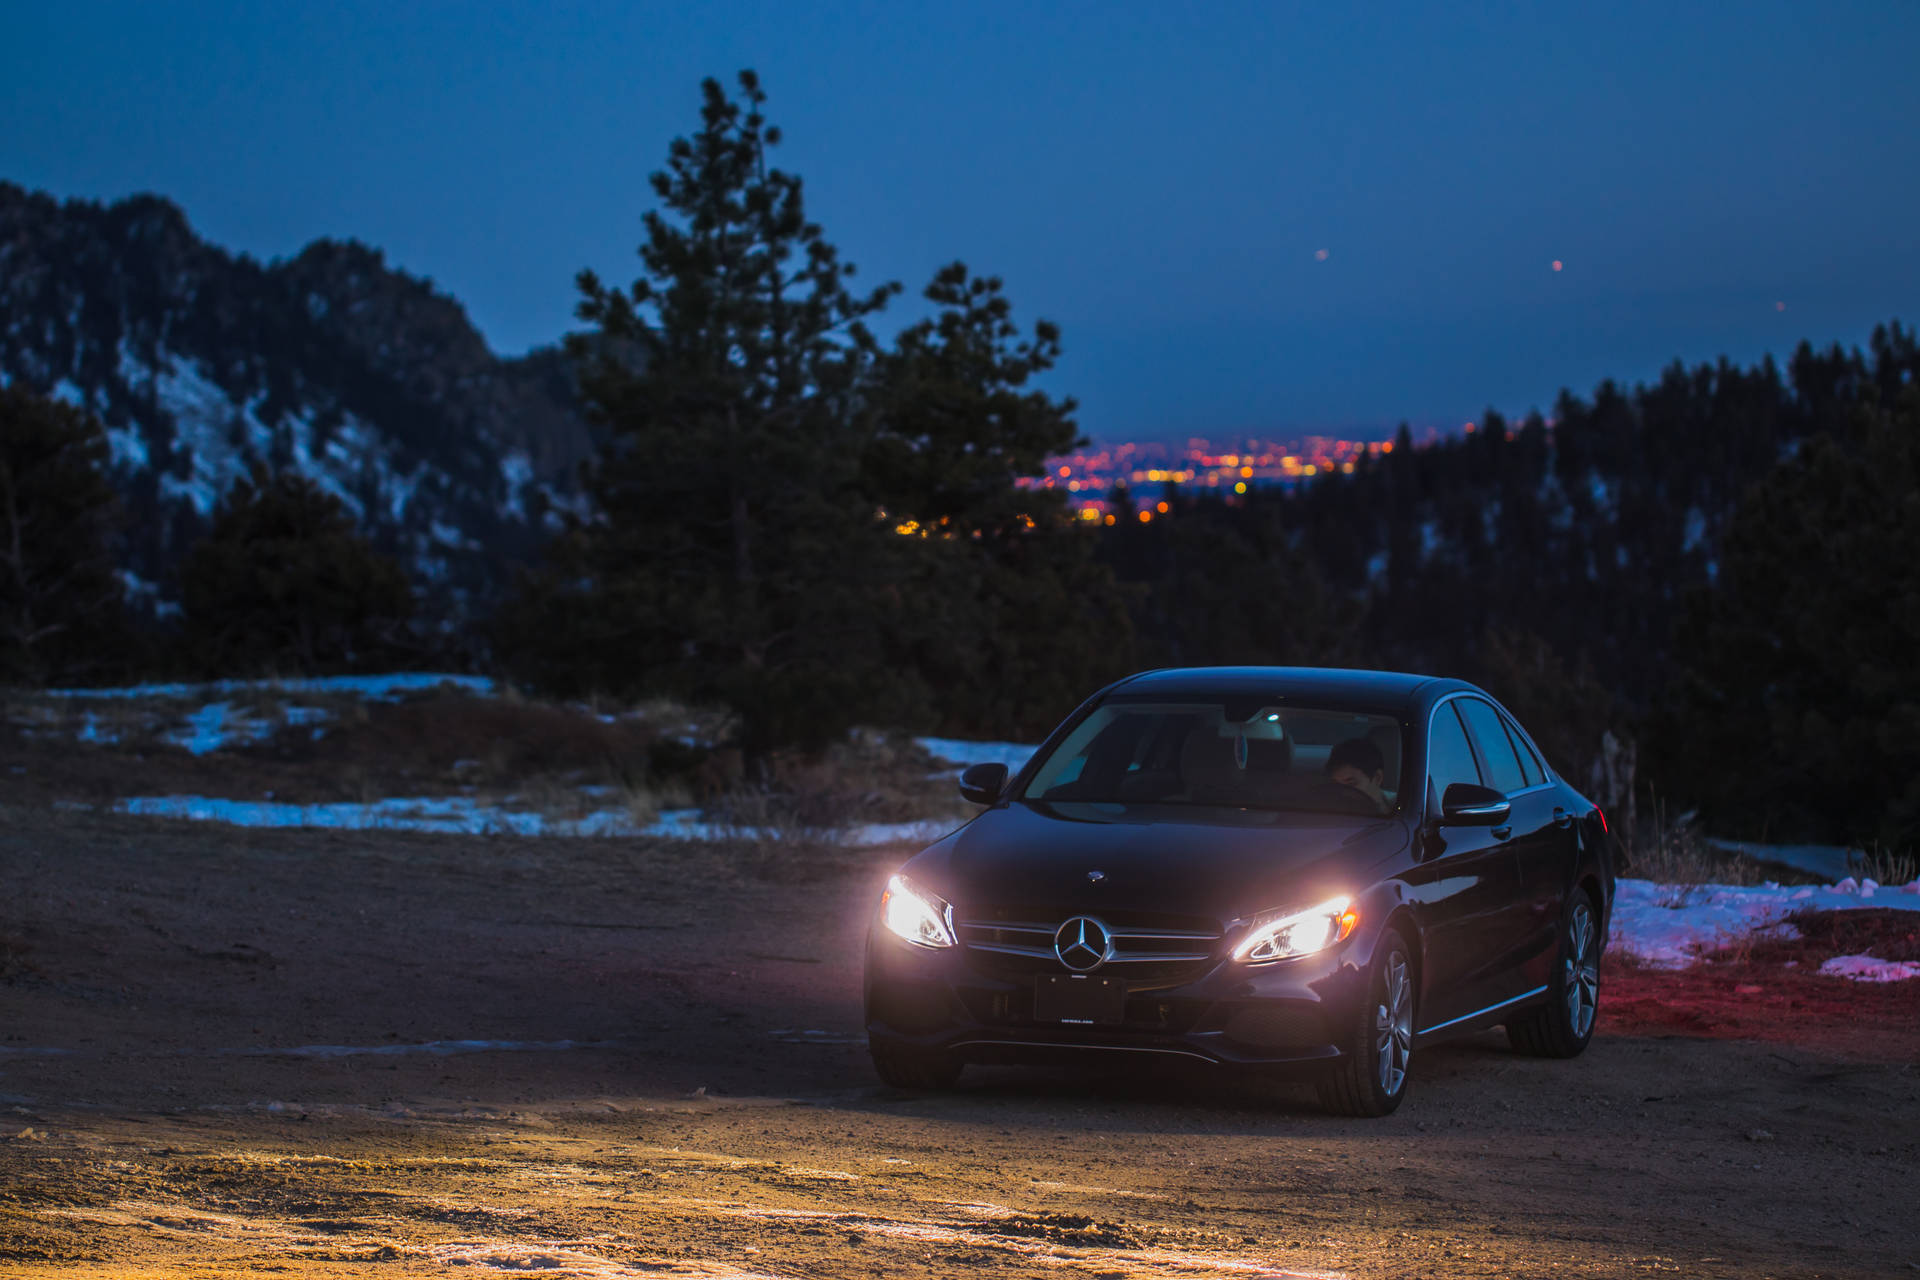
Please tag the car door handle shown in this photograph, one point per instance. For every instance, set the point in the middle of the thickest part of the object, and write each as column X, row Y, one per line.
column 1501, row 833
column 1561, row 818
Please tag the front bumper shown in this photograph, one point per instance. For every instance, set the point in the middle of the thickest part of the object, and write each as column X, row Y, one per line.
column 953, row 1001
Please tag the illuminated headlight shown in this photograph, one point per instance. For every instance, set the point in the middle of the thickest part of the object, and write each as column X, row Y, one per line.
column 1280, row 935
column 922, row 918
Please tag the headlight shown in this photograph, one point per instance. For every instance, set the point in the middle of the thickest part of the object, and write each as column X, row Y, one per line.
column 922, row 918
column 1281, row 934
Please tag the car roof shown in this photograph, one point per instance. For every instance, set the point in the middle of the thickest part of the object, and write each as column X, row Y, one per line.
column 1333, row 684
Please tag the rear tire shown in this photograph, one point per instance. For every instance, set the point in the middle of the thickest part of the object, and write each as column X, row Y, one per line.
column 907, row 1069
column 1562, row 1027
column 1370, row 1077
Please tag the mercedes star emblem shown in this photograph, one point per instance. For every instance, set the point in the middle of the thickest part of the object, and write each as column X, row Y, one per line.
column 1083, row 944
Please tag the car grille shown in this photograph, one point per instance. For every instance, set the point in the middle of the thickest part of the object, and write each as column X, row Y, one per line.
column 1151, row 949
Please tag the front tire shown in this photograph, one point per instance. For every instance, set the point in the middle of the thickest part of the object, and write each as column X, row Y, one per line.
column 907, row 1069
column 1562, row 1027
column 1370, row 1077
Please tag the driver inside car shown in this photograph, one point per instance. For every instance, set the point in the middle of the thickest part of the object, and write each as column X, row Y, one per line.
column 1356, row 763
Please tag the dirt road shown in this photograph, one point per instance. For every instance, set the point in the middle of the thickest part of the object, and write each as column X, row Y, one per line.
column 379, row 1054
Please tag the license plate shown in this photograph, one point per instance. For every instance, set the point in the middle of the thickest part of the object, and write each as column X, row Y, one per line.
column 1079, row 999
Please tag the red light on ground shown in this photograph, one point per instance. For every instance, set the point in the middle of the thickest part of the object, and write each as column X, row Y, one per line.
column 1779, row 306
column 1557, row 264
column 1320, row 255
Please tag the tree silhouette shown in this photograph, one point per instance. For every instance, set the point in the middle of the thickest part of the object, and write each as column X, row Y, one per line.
column 60, row 592
column 736, row 559
column 284, row 580
column 1799, row 711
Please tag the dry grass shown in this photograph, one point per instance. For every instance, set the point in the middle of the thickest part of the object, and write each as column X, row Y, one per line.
column 562, row 761
column 644, row 802
column 808, row 804
column 1888, row 867
column 1674, row 855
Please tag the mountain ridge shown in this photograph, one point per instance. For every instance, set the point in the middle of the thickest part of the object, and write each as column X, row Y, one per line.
column 203, row 363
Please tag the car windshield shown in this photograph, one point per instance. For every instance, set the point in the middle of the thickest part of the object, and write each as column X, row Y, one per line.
column 1237, row 754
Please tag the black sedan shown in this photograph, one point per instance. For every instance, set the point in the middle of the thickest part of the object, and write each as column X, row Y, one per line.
column 1262, row 867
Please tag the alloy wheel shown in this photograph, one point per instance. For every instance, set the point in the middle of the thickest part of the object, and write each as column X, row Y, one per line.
column 1582, row 976
column 1393, row 1026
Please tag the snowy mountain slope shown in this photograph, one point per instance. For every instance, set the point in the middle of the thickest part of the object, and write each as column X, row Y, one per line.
column 203, row 363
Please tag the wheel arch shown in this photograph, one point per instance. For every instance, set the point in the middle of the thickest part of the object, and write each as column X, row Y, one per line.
column 1401, row 918
column 1589, row 879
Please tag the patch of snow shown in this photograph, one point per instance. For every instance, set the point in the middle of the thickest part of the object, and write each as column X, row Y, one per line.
column 204, row 421
column 463, row 815
column 126, row 448
column 1696, row 532
column 516, row 472
column 959, row 753
column 1870, row 969
column 198, row 494
column 1668, row 926
column 215, row 727
column 452, row 536
column 1600, row 491
column 373, row 687
column 448, row 815
column 398, row 488
column 205, row 730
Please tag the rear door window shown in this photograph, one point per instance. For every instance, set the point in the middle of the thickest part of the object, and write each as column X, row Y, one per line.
column 1449, row 758
column 1530, row 765
column 1496, row 749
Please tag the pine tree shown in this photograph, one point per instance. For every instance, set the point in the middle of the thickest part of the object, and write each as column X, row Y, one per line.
column 1799, row 712
column 1017, row 621
column 736, row 559
column 285, row 581
column 61, row 596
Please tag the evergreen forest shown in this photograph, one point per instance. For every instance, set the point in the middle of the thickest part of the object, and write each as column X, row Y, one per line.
column 789, row 516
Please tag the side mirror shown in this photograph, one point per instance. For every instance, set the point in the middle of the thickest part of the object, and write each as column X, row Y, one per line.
column 1468, row 804
column 983, row 783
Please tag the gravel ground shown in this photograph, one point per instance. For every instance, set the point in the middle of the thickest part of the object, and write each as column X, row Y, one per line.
column 603, row 1058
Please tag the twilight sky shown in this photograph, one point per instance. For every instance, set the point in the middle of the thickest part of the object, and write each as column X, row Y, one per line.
column 1160, row 179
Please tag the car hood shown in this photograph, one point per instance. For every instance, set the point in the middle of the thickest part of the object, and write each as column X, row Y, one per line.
column 1219, row 863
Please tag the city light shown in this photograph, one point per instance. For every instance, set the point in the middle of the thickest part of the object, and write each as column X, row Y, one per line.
column 1150, row 470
